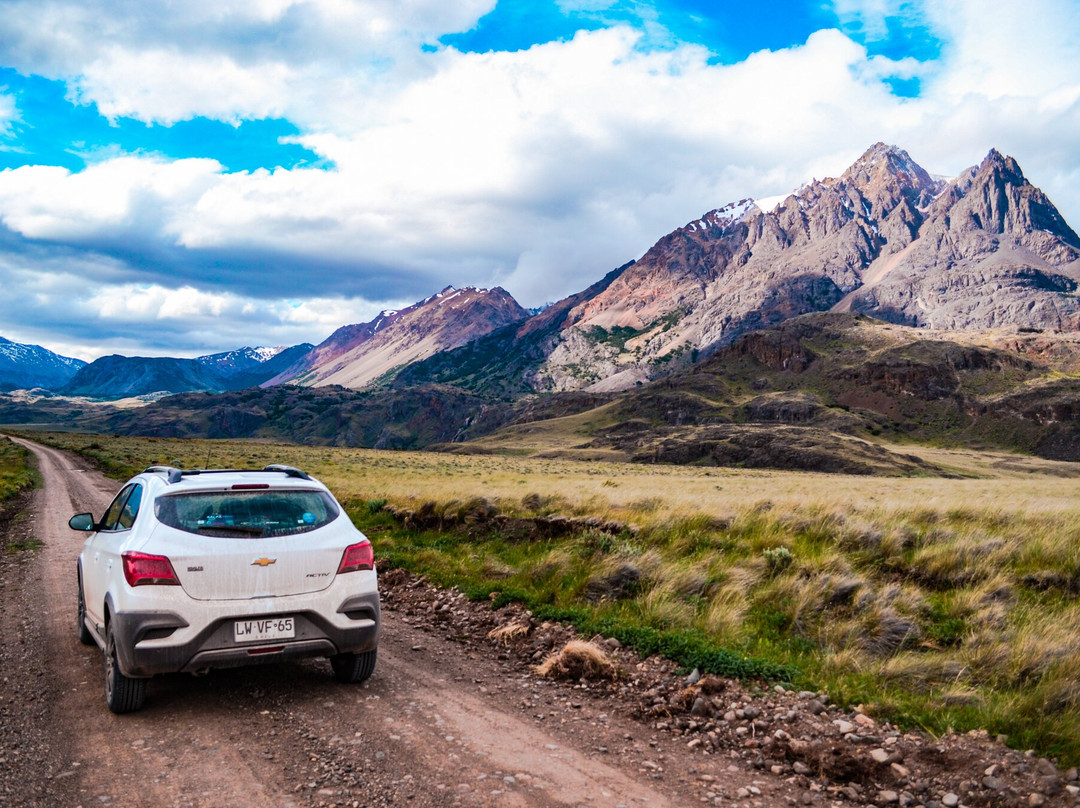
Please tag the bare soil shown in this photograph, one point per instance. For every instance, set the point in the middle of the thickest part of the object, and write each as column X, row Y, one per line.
column 451, row 716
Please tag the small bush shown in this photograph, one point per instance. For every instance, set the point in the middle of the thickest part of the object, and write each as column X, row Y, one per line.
column 778, row 559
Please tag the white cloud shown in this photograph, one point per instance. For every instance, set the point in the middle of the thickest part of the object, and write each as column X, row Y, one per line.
column 539, row 169
column 124, row 83
column 228, row 59
column 8, row 115
column 120, row 194
column 472, row 174
column 870, row 18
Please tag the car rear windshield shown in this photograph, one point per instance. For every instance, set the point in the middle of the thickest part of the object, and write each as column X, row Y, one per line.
column 247, row 514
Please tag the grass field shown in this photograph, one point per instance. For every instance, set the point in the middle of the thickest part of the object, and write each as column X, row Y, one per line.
column 16, row 472
column 939, row 603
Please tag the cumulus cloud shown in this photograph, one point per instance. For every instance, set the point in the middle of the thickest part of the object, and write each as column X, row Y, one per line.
column 539, row 169
column 474, row 174
column 229, row 59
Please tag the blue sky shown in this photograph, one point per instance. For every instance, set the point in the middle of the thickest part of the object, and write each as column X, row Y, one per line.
column 53, row 130
column 187, row 178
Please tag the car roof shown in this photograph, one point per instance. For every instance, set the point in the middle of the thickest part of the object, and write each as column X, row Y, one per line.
column 219, row 479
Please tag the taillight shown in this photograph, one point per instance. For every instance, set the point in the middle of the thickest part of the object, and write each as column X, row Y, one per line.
column 142, row 568
column 357, row 557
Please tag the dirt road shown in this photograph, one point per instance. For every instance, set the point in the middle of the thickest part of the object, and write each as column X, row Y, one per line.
column 436, row 725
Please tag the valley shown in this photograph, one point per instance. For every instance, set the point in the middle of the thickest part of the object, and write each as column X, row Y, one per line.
column 856, row 320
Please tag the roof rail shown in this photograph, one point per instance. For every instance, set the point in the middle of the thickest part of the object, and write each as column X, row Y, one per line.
column 172, row 474
column 288, row 471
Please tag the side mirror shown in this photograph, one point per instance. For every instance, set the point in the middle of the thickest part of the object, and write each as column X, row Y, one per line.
column 82, row 521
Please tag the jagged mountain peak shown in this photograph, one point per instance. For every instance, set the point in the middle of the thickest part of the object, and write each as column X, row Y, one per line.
column 245, row 357
column 1002, row 167
column 723, row 217
column 884, row 174
column 883, row 153
column 995, row 197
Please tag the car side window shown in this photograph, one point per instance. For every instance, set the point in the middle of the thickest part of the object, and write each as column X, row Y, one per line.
column 130, row 509
column 111, row 519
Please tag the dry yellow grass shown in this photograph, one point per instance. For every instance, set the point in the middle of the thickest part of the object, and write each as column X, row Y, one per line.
column 508, row 632
column 1010, row 484
column 578, row 659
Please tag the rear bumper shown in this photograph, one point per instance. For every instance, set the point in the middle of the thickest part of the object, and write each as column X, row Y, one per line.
column 143, row 647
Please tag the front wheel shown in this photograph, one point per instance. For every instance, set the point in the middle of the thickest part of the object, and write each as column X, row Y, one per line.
column 353, row 668
column 123, row 694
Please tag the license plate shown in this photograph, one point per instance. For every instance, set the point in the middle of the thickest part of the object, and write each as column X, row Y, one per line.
column 268, row 628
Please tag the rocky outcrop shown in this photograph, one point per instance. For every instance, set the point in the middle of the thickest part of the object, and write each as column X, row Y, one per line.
column 993, row 251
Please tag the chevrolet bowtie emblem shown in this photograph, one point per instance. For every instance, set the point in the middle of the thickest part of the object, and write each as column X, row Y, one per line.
column 263, row 562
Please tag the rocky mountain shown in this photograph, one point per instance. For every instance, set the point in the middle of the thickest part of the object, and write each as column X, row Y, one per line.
column 503, row 363
column 356, row 355
column 24, row 367
column 987, row 249
column 984, row 250
column 113, row 377
column 992, row 251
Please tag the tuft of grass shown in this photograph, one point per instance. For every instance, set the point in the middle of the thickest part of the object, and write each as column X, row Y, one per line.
column 28, row 545
column 578, row 659
column 508, row 632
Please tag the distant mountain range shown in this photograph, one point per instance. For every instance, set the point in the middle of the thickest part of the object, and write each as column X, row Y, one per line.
column 985, row 253
column 30, row 366
column 832, row 391
column 113, row 377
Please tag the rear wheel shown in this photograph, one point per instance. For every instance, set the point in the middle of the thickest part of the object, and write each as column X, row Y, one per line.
column 123, row 694
column 85, row 637
column 353, row 668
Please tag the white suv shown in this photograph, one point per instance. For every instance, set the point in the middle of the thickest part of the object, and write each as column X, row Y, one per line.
column 193, row 570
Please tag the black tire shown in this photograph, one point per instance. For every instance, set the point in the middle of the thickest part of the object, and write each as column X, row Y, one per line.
column 85, row 637
column 354, row 668
column 122, row 693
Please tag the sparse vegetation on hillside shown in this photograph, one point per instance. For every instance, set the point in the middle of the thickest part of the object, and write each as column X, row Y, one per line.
column 940, row 603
